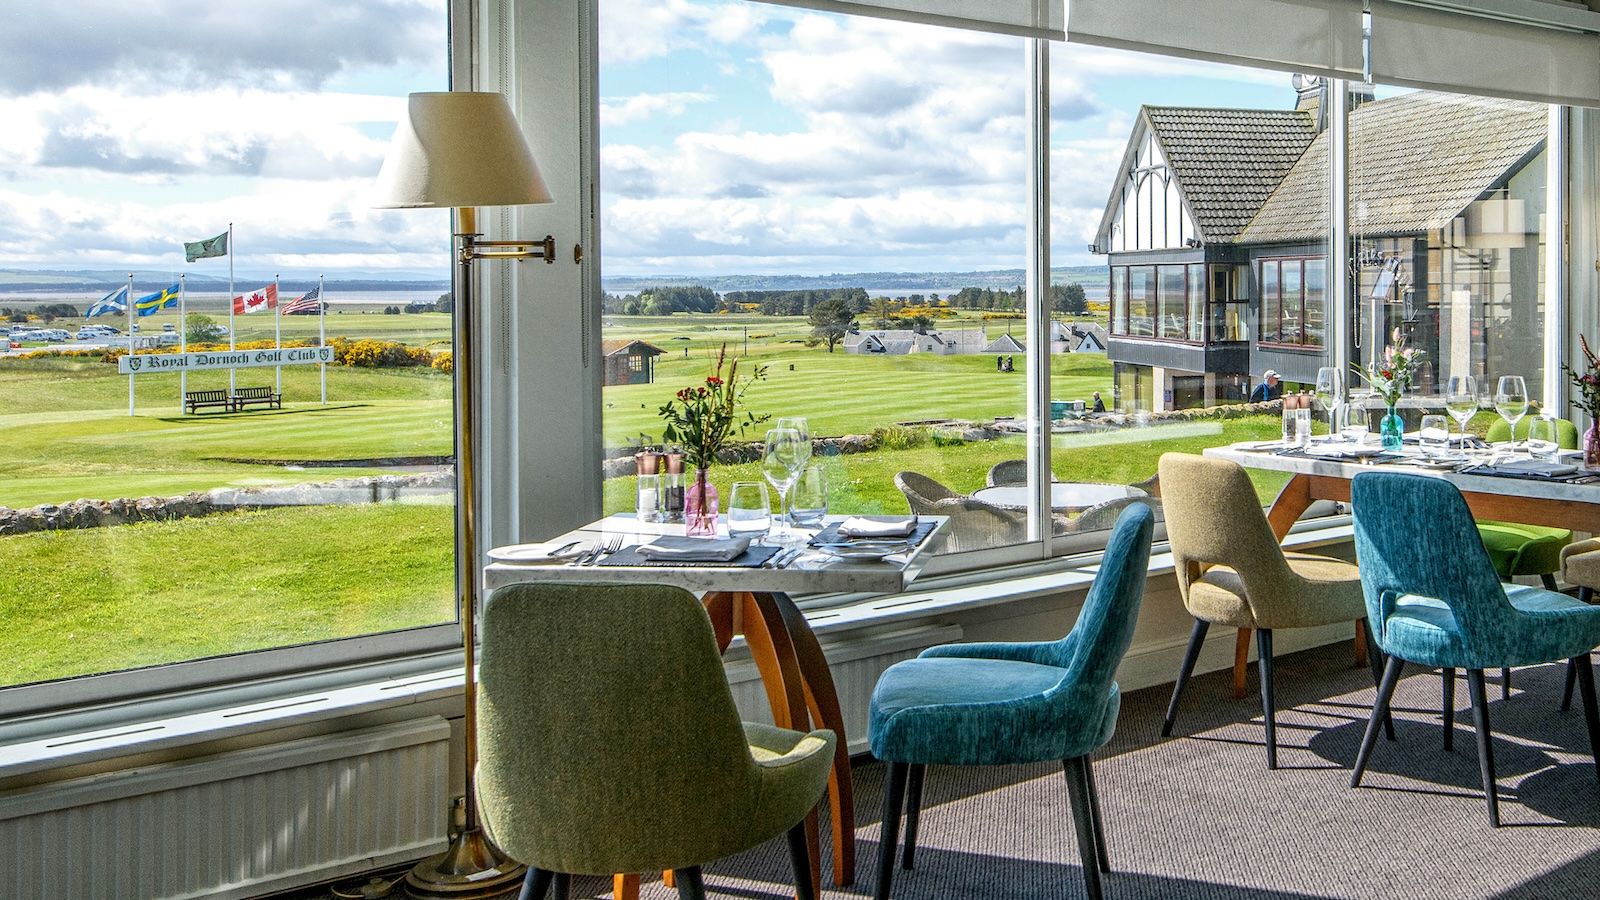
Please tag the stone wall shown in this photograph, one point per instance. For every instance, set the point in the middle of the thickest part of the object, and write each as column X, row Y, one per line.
column 340, row 492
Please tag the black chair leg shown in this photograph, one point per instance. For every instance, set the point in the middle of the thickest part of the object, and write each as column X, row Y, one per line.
column 690, row 884
column 1505, row 683
column 1572, row 681
column 894, row 795
column 1197, row 639
column 1099, row 818
column 800, row 861
column 563, row 886
column 1264, row 651
column 1380, row 709
column 1375, row 660
column 1480, row 716
column 1083, row 824
column 913, row 814
column 1549, row 580
column 1447, row 678
column 1584, row 669
column 536, row 885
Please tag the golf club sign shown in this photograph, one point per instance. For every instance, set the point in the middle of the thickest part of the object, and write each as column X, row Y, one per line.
column 163, row 363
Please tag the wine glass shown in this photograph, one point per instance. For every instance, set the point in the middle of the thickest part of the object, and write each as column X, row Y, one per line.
column 1511, row 402
column 1461, row 399
column 1329, row 391
column 798, row 423
column 781, row 458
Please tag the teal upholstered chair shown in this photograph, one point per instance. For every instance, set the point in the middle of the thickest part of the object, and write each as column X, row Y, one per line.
column 1433, row 598
column 996, row 704
column 608, row 740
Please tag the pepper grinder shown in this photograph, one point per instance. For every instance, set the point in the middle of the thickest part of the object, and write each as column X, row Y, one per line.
column 672, row 488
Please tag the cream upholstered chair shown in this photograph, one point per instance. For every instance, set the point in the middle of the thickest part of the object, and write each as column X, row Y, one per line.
column 1231, row 571
column 1580, row 566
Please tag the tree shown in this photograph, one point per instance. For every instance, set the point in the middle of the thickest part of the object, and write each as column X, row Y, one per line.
column 202, row 329
column 1069, row 298
column 881, row 312
column 919, row 323
column 445, row 303
column 831, row 320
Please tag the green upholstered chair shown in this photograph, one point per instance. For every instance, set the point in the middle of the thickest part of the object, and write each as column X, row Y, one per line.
column 1433, row 598
column 609, row 742
column 1517, row 549
column 1231, row 571
column 999, row 704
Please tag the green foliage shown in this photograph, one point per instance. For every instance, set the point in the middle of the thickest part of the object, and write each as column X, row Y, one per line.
column 1069, row 298
column 898, row 437
column 703, row 419
column 202, row 329
column 831, row 320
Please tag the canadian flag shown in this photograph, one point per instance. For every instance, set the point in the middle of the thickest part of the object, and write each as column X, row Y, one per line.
column 256, row 301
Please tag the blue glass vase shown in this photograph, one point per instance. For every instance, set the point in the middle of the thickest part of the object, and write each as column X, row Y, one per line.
column 1391, row 430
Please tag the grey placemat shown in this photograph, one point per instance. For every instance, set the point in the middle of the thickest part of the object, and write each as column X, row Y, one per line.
column 749, row 559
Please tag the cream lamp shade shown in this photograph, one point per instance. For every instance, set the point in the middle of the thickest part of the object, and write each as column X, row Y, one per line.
column 459, row 149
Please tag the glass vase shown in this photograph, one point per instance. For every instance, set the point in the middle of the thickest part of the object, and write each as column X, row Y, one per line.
column 1591, row 446
column 1391, row 430
column 701, row 507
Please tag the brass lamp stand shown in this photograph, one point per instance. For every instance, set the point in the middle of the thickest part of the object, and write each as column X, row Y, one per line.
column 463, row 150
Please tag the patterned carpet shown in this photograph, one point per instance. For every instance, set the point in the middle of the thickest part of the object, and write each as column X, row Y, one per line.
column 1199, row 816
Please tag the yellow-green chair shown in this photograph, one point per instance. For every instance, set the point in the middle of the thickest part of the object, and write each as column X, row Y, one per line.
column 1518, row 549
column 608, row 741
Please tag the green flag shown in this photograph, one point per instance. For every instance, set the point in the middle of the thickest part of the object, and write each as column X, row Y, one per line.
column 217, row 246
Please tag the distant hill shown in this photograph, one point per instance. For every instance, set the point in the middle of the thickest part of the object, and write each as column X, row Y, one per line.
column 874, row 282
column 100, row 280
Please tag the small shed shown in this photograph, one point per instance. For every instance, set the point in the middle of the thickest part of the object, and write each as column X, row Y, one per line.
column 629, row 362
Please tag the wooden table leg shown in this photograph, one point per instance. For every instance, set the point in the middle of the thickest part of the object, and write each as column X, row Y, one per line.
column 1361, row 645
column 1241, row 658
column 625, row 887
column 822, row 699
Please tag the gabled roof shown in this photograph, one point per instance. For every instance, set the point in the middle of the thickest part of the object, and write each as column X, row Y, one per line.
column 1416, row 161
column 1226, row 162
column 627, row 348
column 1005, row 343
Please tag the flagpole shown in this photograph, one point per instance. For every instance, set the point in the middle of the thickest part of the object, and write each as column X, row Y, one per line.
column 232, row 372
column 132, row 315
column 183, row 337
column 277, row 328
column 322, row 335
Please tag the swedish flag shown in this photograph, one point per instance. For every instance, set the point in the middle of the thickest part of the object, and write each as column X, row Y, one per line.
column 149, row 303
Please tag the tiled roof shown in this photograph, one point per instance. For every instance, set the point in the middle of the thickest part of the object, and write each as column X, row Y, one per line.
column 1416, row 161
column 1228, row 161
column 611, row 348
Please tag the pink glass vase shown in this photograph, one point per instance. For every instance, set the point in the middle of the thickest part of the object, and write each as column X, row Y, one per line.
column 701, row 507
column 1591, row 446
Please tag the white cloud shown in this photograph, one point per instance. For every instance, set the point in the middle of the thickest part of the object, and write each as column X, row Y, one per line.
column 633, row 30
column 619, row 111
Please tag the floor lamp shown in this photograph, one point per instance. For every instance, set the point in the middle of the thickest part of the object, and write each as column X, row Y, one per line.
column 462, row 150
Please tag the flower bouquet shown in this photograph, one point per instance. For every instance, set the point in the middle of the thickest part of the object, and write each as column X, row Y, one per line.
column 702, row 419
column 1390, row 378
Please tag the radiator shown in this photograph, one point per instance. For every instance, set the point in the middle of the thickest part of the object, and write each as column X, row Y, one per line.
column 856, row 661
column 236, row 824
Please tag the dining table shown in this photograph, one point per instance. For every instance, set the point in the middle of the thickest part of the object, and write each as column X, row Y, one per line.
column 750, row 596
column 1497, row 482
column 1065, row 496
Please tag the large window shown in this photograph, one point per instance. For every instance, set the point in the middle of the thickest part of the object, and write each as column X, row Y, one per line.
column 1294, row 301
column 142, row 531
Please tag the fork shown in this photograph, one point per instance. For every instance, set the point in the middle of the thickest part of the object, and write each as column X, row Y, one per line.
column 611, row 545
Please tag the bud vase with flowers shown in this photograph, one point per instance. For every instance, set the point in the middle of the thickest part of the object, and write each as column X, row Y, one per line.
column 702, row 420
column 1390, row 378
column 1588, row 384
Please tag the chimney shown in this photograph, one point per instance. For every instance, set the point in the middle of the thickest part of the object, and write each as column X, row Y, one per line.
column 1310, row 93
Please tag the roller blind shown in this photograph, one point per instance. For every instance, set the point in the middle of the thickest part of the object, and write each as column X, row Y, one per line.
column 1026, row 18
column 1469, row 52
column 1316, row 37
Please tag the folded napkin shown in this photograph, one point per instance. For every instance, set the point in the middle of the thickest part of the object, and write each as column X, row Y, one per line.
column 688, row 549
column 864, row 527
column 1348, row 451
column 1534, row 467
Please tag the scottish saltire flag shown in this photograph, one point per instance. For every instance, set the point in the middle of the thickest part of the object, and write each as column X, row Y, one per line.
column 217, row 246
column 309, row 303
column 149, row 303
column 114, row 302
column 256, row 301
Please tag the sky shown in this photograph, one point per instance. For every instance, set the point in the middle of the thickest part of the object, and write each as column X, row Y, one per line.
column 737, row 137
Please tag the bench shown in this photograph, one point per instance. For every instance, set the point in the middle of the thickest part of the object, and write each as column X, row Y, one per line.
column 195, row 400
column 242, row 397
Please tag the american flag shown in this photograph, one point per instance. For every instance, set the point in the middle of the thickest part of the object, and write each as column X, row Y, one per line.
column 308, row 304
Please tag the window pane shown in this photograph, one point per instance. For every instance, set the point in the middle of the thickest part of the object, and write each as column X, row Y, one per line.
column 760, row 182
column 1293, row 298
column 1316, row 303
column 1196, row 283
column 1119, row 299
column 1172, row 300
column 1141, row 301
column 282, row 505
column 1271, row 303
